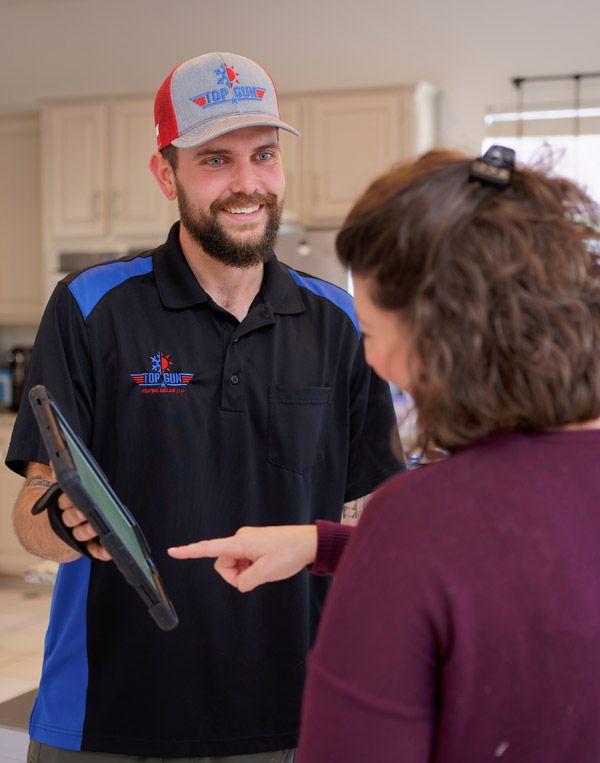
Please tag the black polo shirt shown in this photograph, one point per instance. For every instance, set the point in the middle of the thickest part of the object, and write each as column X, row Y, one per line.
column 202, row 424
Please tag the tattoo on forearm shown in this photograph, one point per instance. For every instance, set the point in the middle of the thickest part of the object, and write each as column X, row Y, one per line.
column 36, row 480
column 353, row 509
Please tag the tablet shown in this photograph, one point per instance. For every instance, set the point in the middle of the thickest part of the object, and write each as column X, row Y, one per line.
column 80, row 476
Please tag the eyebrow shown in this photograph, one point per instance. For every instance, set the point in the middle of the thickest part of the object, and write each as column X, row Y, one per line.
column 211, row 152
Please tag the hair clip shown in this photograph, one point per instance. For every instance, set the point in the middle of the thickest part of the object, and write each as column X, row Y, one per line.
column 494, row 167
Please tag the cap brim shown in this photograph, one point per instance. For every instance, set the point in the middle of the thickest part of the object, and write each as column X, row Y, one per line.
column 200, row 135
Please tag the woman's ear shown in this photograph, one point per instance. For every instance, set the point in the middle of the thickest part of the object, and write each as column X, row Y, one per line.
column 164, row 174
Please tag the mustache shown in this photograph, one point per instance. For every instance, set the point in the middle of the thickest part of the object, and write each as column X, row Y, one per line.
column 268, row 200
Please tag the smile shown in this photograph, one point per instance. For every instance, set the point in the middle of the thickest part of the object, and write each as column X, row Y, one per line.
column 242, row 210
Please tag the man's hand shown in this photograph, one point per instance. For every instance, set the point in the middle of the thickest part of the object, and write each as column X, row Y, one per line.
column 35, row 532
column 256, row 555
column 81, row 529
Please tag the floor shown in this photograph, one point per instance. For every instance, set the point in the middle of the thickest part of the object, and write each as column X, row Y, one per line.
column 24, row 608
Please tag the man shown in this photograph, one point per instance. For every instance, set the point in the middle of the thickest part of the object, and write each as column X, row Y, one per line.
column 216, row 387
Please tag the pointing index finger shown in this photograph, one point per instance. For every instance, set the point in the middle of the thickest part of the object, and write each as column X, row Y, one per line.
column 206, row 549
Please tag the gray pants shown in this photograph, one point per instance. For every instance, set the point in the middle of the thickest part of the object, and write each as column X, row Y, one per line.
column 42, row 753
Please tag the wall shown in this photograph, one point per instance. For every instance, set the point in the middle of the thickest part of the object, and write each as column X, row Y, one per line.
column 470, row 48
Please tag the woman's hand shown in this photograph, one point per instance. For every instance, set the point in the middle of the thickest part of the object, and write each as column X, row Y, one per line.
column 256, row 555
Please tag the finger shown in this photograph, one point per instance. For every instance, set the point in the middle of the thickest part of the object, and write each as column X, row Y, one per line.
column 64, row 502
column 84, row 532
column 208, row 549
column 73, row 517
column 98, row 551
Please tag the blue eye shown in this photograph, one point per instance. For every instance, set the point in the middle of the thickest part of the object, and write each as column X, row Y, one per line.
column 214, row 161
column 264, row 155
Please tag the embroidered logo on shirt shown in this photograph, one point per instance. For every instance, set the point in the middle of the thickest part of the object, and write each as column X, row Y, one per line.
column 162, row 378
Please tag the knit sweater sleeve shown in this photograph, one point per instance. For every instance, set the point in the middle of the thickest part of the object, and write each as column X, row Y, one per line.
column 332, row 538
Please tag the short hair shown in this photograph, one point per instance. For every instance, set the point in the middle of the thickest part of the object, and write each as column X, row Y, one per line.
column 170, row 154
column 499, row 289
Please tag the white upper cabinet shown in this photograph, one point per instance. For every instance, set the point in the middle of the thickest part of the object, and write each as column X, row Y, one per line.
column 137, row 204
column 348, row 139
column 20, row 220
column 97, row 177
column 98, row 185
column 290, row 110
column 77, row 169
column 352, row 139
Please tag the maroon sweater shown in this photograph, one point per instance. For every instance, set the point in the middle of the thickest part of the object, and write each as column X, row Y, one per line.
column 464, row 621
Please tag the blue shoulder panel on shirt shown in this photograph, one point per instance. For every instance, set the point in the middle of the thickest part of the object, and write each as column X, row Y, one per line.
column 91, row 285
column 331, row 292
column 59, row 712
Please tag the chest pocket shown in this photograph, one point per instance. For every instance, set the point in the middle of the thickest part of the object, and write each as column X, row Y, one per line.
column 298, row 419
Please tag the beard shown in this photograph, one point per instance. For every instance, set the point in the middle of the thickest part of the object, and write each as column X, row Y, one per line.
column 208, row 232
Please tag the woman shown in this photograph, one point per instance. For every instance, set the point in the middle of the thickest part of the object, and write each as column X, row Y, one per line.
column 464, row 623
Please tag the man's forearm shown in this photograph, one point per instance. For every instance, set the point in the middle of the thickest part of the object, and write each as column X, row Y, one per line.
column 34, row 532
column 352, row 510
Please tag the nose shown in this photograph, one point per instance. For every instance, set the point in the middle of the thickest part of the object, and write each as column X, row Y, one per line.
column 244, row 179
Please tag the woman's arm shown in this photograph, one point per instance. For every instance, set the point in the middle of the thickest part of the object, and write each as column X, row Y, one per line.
column 257, row 555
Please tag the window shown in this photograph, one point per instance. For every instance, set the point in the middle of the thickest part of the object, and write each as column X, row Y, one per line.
column 555, row 125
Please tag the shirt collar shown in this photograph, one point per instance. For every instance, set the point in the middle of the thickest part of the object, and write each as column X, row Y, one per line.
column 179, row 288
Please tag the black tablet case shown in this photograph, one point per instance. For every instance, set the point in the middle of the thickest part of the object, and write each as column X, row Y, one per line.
column 145, row 580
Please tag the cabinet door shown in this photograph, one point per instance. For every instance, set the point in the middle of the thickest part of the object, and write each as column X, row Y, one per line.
column 352, row 139
column 78, row 169
column 137, row 205
column 20, row 220
column 290, row 110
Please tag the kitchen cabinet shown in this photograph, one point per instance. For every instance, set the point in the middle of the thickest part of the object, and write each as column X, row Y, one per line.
column 20, row 219
column 97, row 181
column 290, row 110
column 14, row 560
column 99, row 196
column 348, row 138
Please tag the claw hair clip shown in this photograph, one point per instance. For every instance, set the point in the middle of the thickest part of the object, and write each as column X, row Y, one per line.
column 495, row 167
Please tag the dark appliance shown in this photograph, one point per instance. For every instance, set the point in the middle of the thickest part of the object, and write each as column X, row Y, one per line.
column 18, row 362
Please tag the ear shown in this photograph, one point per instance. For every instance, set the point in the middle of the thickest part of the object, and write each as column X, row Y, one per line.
column 163, row 172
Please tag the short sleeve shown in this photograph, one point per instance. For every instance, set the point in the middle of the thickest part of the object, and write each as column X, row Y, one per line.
column 60, row 361
column 375, row 451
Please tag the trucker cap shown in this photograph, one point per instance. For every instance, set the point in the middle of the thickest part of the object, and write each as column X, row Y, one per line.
column 211, row 95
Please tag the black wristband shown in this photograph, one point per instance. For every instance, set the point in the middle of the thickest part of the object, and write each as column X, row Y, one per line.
column 49, row 501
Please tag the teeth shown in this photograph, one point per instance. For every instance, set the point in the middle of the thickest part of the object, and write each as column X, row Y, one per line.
column 242, row 210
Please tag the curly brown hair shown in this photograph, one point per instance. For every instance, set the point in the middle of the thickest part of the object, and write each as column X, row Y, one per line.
column 500, row 290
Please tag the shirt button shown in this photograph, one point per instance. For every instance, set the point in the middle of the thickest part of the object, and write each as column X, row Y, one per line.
column 234, row 379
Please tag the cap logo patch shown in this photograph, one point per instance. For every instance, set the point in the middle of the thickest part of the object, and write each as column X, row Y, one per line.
column 162, row 379
column 228, row 90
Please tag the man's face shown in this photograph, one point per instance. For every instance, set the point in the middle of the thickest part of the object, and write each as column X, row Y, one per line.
column 230, row 195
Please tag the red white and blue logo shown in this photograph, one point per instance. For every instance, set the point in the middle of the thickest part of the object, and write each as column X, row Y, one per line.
column 228, row 90
column 162, row 378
